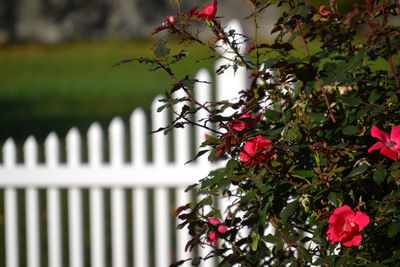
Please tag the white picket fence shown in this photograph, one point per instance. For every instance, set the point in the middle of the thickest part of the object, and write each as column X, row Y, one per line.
column 138, row 178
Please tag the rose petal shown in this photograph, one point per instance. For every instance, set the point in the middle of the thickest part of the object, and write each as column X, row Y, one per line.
column 376, row 132
column 355, row 241
column 361, row 219
column 390, row 153
column 213, row 237
column 222, row 228
column 376, row 146
column 395, row 134
column 214, row 221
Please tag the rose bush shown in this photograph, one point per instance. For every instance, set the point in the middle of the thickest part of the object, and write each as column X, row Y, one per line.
column 330, row 77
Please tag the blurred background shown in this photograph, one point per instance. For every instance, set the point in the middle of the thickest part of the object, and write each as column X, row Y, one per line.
column 56, row 58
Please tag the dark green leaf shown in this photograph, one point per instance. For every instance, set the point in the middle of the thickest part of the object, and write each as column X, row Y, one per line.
column 394, row 229
column 303, row 173
column 357, row 171
column 351, row 101
column 289, row 210
column 272, row 115
column 350, row 130
column 380, row 175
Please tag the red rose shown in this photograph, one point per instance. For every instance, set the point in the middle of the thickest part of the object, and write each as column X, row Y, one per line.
column 214, row 236
column 256, row 151
column 324, row 12
column 208, row 13
column 390, row 145
column 345, row 226
column 240, row 125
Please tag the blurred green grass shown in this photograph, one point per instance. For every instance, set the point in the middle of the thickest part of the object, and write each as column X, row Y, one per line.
column 53, row 88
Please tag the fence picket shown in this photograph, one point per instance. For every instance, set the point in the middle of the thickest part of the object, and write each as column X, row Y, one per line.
column 182, row 155
column 230, row 82
column 96, row 196
column 202, row 92
column 52, row 153
column 140, row 203
column 118, row 205
column 74, row 202
column 10, row 208
column 161, row 197
column 32, row 207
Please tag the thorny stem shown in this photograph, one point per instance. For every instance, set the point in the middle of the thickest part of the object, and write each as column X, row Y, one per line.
column 222, row 34
column 191, row 98
column 328, row 106
column 392, row 63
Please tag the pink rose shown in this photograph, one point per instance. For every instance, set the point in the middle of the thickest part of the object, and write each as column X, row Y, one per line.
column 390, row 145
column 240, row 125
column 208, row 12
column 213, row 237
column 323, row 12
column 345, row 226
column 256, row 151
column 221, row 229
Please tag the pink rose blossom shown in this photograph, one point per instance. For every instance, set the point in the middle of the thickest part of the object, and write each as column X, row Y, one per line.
column 221, row 229
column 213, row 237
column 390, row 145
column 345, row 226
column 323, row 12
column 240, row 125
column 256, row 151
column 208, row 12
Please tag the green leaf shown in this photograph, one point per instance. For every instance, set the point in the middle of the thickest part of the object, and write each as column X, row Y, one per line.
column 272, row 239
column 351, row 101
column 356, row 60
column 350, row 130
column 358, row 171
column 255, row 241
column 335, row 198
column 160, row 50
column 323, row 260
column 380, row 175
column 248, row 197
column 289, row 210
column 393, row 230
column 272, row 115
column 303, row 173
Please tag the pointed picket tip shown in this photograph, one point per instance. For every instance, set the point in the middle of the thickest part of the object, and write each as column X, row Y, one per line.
column 95, row 144
column 94, row 132
column 30, row 151
column 73, row 140
column 137, row 114
column 138, row 126
column 117, row 141
column 9, row 152
column 203, row 75
column 116, row 126
column 52, row 149
column 225, row 49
